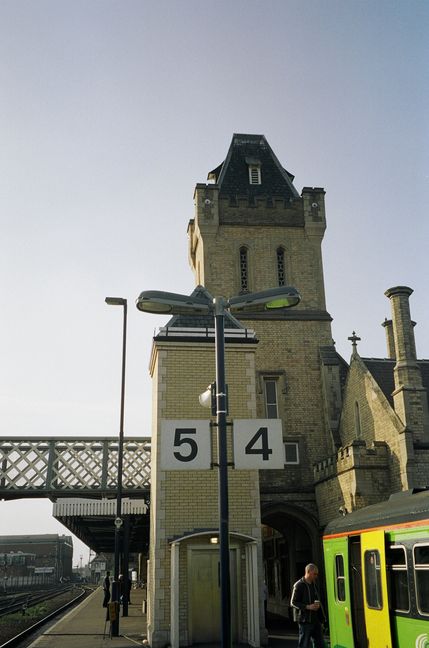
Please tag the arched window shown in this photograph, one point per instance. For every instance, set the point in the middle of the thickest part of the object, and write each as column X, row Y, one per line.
column 244, row 274
column 281, row 274
column 358, row 429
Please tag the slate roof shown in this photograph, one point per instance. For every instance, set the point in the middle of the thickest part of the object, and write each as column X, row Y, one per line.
column 202, row 321
column 382, row 371
column 232, row 175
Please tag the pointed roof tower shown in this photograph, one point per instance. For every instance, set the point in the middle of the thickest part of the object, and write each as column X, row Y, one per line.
column 252, row 170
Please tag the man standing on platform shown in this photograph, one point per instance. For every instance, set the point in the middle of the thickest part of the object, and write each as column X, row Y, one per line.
column 308, row 609
column 106, row 589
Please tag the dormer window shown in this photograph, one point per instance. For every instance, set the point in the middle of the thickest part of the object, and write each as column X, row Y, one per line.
column 254, row 174
column 254, row 166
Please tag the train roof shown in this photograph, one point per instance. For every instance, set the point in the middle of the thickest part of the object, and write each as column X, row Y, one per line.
column 405, row 506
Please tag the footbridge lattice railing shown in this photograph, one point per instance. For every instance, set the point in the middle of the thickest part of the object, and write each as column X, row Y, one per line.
column 68, row 467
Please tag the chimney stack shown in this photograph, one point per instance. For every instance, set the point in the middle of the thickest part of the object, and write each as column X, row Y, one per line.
column 409, row 397
column 390, row 341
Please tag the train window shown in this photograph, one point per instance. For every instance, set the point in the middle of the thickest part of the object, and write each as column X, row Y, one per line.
column 339, row 578
column 399, row 595
column 373, row 579
column 421, row 567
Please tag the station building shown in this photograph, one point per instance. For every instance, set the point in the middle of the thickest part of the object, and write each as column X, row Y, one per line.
column 352, row 433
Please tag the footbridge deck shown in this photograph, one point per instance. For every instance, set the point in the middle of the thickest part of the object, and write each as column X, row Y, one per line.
column 57, row 467
column 76, row 472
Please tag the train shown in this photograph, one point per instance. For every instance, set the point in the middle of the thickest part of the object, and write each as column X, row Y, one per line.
column 377, row 574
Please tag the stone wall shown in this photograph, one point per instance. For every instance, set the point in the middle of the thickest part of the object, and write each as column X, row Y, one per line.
column 354, row 477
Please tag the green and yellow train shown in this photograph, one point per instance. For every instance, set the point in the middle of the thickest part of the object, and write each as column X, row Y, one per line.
column 377, row 574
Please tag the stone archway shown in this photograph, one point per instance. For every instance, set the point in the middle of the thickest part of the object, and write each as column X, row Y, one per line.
column 290, row 541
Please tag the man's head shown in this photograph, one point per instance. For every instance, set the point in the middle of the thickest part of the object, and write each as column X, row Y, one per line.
column 107, row 573
column 311, row 573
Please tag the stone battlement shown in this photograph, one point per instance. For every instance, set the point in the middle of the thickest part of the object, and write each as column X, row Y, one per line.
column 354, row 456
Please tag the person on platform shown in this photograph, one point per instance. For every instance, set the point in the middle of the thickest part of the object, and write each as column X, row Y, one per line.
column 106, row 589
column 308, row 610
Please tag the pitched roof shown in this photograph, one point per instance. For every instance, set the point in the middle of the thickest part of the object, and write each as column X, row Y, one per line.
column 232, row 175
column 202, row 321
column 382, row 371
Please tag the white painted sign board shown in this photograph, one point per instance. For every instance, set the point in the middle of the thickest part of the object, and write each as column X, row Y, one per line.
column 258, row 444
column 185, row 445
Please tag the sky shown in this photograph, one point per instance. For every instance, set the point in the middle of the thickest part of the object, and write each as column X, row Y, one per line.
column 112, row 110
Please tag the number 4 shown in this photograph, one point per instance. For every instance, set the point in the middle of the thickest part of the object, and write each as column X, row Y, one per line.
column 264, row 450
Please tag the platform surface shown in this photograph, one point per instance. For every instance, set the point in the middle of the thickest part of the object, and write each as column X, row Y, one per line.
column 85, row 626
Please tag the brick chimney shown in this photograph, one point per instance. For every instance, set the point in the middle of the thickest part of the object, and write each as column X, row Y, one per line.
column 390, row 340
column 409, row 397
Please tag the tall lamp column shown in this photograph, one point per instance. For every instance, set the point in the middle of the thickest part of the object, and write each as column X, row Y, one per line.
column 119, row 301
column 222, row 449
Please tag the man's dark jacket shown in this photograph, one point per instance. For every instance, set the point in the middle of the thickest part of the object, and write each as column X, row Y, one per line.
column 304, row 594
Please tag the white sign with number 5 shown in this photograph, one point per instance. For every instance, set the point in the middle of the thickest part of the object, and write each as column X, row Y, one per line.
column 258, row 444
column 185, row 445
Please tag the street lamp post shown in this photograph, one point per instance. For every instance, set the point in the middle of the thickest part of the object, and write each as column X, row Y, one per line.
column 153, row 301
column 119, row 301
column 222, row 448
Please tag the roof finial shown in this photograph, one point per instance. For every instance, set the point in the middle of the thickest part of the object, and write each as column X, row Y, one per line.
column 354, row 339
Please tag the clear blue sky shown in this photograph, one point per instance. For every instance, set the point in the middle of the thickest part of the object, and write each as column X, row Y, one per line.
column 112, row 111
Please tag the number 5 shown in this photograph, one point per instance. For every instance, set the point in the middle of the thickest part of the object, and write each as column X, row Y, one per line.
column 180, row 440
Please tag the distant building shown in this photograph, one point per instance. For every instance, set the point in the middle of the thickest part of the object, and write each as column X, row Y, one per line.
column 39, row 558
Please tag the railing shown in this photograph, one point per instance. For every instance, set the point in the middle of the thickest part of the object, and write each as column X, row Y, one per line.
column 66, row 467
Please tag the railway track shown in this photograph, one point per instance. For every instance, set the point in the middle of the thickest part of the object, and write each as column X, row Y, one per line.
column 37, row 598
column 25, row 600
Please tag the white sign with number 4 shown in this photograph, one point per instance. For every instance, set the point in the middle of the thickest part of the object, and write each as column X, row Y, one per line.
column 258, row 444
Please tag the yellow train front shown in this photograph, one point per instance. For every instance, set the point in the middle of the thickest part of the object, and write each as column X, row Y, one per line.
column 377, row 574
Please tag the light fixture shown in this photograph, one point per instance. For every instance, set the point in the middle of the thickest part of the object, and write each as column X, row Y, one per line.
column 157, row 301
column 206, row 397
column 265, row 300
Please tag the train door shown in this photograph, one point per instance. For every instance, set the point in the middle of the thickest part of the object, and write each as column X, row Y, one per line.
column 377, row 618
column 338, row 591
column 358, row 615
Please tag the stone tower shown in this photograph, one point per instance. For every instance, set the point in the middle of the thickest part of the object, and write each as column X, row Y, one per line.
column 252, row 231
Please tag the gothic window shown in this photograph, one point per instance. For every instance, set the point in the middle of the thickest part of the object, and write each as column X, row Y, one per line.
column 358, row 429
column 281, row 275
column 254, row 174
column 244, row 270
column 271, row 403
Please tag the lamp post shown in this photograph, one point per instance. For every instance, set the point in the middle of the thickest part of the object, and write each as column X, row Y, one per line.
column 152, row 301
column 119, row 301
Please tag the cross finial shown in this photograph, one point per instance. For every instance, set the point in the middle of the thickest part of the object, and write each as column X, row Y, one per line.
column 354, row 339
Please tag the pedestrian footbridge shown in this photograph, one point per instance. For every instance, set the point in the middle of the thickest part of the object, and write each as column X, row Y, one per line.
column 80, row 475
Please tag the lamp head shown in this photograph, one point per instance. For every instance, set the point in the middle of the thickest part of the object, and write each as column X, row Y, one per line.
column 265, row 300
column 116, row 301
column 166, row 303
